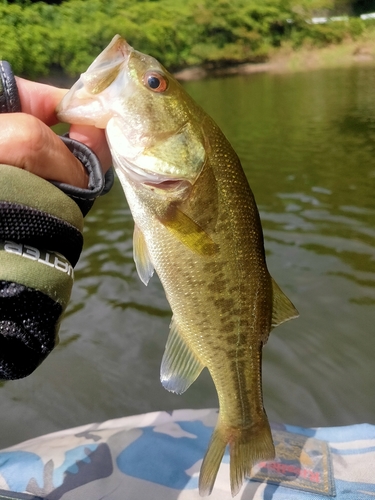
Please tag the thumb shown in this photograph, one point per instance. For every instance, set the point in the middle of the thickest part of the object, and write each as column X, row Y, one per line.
column 28, row 143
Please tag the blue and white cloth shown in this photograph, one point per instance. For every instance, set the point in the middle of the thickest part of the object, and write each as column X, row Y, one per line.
column 158, row 456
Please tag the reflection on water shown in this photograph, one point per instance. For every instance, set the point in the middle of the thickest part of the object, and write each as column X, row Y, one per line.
column 307, row 143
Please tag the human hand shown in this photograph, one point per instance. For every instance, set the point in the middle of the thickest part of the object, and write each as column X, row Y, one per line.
column 27, row 142
column 41, row 222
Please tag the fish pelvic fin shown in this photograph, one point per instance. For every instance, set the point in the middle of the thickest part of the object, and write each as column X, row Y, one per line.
column 247, row 446
column 282, row 308
column 142, row 260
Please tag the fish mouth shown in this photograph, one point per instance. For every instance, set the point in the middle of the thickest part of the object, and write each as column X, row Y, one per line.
column 78, row 105
column 152, row 180
column 169, row 184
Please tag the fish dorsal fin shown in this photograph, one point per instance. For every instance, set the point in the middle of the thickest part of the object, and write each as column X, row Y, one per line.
column 190, row 233
column 179, row 367
column 282, row 308
column 141, row 256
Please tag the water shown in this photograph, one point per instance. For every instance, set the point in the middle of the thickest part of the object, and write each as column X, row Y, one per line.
column 307, row 144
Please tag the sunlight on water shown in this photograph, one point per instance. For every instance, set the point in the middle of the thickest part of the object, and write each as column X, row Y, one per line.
column 307, row 144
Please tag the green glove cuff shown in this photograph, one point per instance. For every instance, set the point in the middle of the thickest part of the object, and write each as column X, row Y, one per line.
column 37, row 233
column 40, row 242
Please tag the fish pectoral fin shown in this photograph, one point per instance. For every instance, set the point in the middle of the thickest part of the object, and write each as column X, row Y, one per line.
column 145, row 267
column 180, row 367
column 282, row 308
column 190, row 233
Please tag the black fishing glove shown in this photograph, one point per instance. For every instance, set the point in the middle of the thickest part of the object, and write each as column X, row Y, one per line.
column 41, row 240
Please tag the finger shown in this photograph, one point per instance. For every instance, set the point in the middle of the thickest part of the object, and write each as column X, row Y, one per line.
column 95, row 139
column 39, row 100
column 27, row 143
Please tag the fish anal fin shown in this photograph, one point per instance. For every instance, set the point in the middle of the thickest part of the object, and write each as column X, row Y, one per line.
column 189, row 233
column 282, row 308
column 141, row 256
column 179, row 367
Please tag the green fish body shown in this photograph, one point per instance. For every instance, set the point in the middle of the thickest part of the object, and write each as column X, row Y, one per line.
column 197, row 225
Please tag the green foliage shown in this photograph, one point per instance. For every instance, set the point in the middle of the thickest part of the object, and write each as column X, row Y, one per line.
column 321, row 35
column 37, row 36
column 26, row 42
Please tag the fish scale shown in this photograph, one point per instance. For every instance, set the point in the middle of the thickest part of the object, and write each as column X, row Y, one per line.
column 198, row 226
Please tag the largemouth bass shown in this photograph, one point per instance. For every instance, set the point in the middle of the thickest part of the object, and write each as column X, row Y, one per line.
column 197, row 225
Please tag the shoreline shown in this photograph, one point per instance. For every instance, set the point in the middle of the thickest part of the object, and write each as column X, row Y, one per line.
column 283, row 60
column 286, row 60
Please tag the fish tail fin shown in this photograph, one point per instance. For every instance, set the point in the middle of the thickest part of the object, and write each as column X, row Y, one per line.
column 247, row 446
column 212, row 460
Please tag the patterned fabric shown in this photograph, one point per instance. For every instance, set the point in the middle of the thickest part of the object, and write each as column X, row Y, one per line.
column 158, row 456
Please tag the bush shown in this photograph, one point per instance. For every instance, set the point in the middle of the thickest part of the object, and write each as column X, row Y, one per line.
column 38, row 36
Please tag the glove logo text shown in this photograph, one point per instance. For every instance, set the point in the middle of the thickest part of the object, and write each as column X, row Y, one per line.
column 48, row 258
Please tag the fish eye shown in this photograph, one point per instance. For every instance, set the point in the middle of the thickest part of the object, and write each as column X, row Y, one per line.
column 155, row 81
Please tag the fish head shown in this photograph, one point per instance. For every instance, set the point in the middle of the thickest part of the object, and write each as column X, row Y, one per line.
column 152, row 125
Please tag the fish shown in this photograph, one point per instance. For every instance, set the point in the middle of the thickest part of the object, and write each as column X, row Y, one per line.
column 196, row 224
